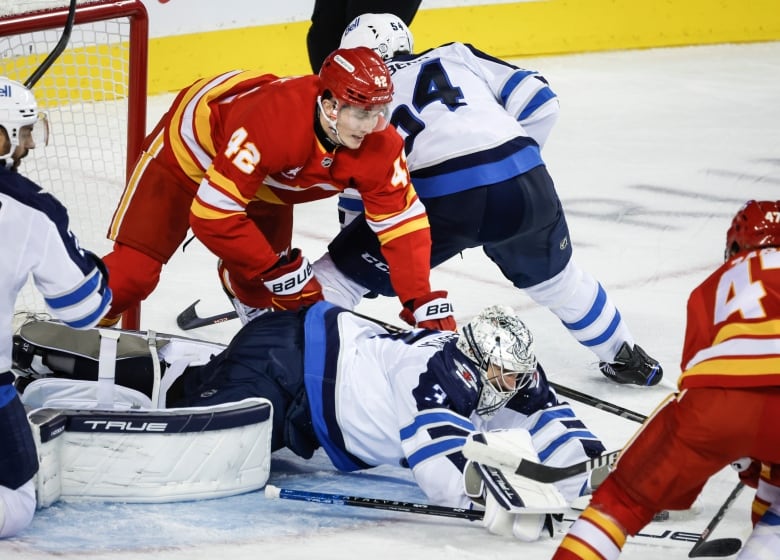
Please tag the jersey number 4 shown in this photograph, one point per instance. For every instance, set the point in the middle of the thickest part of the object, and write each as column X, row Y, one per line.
column 432, row 85
column 739, row 291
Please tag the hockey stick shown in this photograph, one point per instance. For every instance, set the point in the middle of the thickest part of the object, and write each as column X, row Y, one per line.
column 477, row 450
column 189, row 319
column 372, row 503
column 58, row 48
column 596, row 402
column 718, row 547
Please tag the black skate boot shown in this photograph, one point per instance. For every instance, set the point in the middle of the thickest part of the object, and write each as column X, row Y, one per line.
column 633, row 366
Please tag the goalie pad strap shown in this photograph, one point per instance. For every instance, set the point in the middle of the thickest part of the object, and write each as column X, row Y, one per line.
column 151, row 341
column 106, row 367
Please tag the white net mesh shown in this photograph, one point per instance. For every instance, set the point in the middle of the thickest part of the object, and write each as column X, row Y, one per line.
column 85, row 93
column 24, row 6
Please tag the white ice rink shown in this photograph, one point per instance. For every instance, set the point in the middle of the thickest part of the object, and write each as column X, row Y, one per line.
column 654, row 152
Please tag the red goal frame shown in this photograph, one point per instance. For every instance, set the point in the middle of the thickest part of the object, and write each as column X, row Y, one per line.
column 138, row 17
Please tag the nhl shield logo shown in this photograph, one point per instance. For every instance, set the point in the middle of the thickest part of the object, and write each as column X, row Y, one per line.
column 327, row 162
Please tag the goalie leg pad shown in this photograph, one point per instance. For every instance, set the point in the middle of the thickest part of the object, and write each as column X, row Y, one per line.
column 154, row 456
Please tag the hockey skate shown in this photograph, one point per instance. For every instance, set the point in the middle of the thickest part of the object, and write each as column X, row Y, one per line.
column 632, row 366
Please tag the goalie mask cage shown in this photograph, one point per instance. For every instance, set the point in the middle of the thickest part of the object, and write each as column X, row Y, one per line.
column 94, row 95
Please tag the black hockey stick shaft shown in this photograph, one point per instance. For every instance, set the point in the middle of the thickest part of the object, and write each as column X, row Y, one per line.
column 371, row 503
column 477, row 449
column 596, row 402
column 189, row 319
column 58, row 48
column 718, row 547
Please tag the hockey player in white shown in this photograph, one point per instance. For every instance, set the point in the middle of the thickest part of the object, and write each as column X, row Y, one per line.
column 474, row 127
column 371, row 397
column 37, row 242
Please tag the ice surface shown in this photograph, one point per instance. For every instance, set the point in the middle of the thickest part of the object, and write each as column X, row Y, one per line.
column 654, row 152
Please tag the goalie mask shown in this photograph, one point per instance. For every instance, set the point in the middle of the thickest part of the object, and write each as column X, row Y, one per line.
column 18, row 116
column 386, row 34
column 756, row 225
column 502, row 347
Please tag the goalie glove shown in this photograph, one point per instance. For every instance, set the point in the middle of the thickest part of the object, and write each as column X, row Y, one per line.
column 431, row 311
column 292, row 283
column 514, row 505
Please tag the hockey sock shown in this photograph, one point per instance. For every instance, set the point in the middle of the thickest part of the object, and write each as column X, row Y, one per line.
column 593, row 535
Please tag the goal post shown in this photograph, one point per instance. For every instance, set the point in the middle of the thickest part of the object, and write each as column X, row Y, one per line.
column 94, row 95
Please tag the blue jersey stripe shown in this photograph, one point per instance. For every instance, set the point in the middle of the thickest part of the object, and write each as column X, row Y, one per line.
column 485, row 172
column 512, row 83
column 553, row 446
column 320, row 380
column 434, row 449
column 540, row 98
column 90, row 285
column 429, row 419
column 7, row 393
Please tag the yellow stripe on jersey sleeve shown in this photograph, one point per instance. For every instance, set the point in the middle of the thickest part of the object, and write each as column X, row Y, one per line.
column 737, row 367
column 763, row 329
column 210, row 213
column 267, row 194
column 202, row 120
column 408, row 227
column 411, row 200
column 178, row 145
column 221, row 183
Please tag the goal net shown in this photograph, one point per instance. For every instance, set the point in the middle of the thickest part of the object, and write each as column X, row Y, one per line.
column 94, row 95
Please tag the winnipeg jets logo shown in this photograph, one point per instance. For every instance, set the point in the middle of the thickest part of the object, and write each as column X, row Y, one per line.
column 291, row 173
column 466, row 374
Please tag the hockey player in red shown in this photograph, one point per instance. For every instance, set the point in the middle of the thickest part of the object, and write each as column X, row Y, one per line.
column 728, row 406
column 236, row 151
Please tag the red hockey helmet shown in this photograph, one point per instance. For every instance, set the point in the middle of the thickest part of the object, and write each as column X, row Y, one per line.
column 756, row 225
column 357, row 77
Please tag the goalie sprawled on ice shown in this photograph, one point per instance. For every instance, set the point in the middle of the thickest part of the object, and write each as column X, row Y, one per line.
column 145, row 417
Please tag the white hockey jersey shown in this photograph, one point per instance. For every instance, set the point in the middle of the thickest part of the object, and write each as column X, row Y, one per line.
column 468, row 119
column 408, row 399
column 36, row 241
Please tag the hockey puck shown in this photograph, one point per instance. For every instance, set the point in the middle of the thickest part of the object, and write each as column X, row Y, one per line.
column 661, row 516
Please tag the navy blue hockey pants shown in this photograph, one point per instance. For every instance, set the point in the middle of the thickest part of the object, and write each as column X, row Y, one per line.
column 519, row 224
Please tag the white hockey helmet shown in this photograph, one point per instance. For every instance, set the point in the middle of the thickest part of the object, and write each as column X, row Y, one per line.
column 18, row 109
column 386, row 34
column 502, row 347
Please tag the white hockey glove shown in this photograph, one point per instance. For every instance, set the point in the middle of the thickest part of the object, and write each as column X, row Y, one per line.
column 514, row 505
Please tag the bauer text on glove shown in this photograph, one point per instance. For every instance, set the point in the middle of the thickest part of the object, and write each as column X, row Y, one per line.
column 431, row 311
column 292, row 283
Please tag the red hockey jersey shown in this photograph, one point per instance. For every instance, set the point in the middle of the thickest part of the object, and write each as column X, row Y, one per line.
column 733, row 332
column 247, row 137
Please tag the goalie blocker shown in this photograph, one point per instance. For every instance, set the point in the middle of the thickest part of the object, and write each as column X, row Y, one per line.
column 107, row 435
